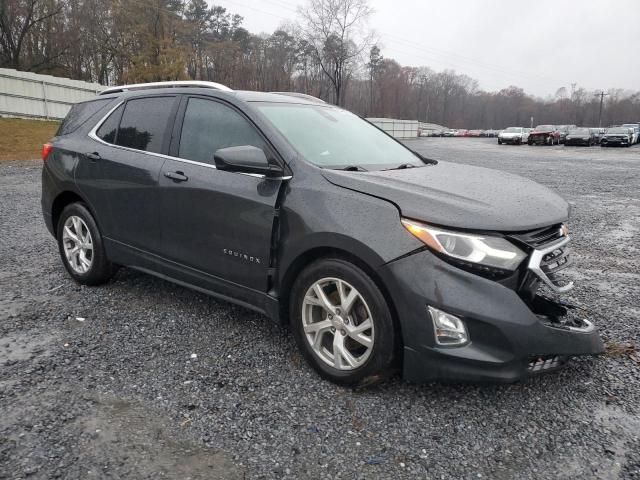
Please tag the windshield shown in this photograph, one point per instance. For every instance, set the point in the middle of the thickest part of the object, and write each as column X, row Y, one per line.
column 512, row 130
column 330, row 137
column 579, row 131
column 618, row 130
column 543, row 128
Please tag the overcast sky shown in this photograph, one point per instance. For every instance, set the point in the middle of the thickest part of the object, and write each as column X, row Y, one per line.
column 539, row 45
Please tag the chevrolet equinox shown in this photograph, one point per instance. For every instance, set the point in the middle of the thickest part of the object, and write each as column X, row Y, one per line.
column 379, row 259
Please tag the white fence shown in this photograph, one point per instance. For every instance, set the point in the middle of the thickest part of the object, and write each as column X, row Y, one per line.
column 26, row 94
column 397, row 128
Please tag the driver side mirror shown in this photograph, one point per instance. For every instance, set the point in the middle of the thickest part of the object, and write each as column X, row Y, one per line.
column 246, row 159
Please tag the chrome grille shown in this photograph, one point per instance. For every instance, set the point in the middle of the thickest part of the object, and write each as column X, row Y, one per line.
column 548, row 261
column 545, row 362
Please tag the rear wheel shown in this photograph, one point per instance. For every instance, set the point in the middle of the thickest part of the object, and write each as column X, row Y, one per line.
column 81, row 248
column 342, row 323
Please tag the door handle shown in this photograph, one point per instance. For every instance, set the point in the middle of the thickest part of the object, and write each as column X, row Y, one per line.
column 176, row 176
column 93, row 156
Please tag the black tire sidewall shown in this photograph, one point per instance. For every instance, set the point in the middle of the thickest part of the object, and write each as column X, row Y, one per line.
column 101, row 269
column 381, row 360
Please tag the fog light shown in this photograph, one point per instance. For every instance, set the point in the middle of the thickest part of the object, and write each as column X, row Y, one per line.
column 450, row 330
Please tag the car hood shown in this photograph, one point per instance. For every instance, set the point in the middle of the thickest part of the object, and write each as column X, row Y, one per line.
column 461, row 196
column 541, row 132
column 511, row 134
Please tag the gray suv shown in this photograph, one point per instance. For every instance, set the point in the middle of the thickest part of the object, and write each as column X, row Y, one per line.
column 379, row 259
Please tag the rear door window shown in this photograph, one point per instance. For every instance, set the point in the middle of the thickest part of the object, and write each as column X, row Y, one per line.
column 144, row 123
column 80, row 113
column 209, row 125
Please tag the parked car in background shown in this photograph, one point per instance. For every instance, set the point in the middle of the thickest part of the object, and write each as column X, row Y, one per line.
column 513, row 136
column 581, row 136
column 490, row 133
column 544, row 135
column 617, row 137
column 462, row 133
column 564, row 131
column 474, row 133
column 450, row 133
column 636, row 131
column 598, row 133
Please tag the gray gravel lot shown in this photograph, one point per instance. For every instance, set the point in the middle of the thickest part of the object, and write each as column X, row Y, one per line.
column 101, row 383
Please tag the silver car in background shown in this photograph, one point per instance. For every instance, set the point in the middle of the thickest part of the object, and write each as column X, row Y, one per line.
column 513, row 135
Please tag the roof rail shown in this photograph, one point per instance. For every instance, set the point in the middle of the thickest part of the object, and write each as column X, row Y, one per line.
column 311, row 98
column 179, row 83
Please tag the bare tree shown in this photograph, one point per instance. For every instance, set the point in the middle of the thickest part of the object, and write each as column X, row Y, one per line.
column 17, row 18
column 336, row 31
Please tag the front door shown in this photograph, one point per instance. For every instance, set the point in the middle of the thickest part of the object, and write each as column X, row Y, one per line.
column 215, row 224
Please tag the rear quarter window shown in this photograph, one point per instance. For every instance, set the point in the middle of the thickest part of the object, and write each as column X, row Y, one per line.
column 109, row 127
column 81, row 113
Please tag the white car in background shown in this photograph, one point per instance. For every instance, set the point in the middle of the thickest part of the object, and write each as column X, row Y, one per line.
column 636, row 132
column 513, row 135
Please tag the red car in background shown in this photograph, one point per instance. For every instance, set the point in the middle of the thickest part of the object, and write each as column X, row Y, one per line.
column 544, row 135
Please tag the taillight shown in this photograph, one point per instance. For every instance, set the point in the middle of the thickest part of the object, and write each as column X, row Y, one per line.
column 46, row 149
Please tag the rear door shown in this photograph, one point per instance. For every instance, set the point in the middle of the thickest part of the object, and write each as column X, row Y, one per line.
column 216, row 225
column 119, row 174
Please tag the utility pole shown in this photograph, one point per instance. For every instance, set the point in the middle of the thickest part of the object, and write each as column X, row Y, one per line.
column 601, row 95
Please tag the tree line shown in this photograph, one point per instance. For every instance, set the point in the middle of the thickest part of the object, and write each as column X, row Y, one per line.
column 327, row 51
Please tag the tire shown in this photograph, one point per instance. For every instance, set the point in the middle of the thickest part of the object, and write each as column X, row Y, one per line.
column 373, row 363
column 499, row 142
column 88, row 265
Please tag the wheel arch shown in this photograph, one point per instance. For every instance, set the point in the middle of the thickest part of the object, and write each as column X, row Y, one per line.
column 315, row 253
column 63, row 199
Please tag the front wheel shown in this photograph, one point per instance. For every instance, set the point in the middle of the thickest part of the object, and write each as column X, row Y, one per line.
column 81, row 248
column 342, row 323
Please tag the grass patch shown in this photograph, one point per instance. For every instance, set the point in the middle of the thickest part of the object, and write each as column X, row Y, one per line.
column 620, row 350
column 22, row 139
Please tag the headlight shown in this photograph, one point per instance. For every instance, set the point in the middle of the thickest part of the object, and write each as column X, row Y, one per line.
column 493, row 252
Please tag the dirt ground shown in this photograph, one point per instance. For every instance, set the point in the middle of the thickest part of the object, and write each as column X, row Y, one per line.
column 141, row 378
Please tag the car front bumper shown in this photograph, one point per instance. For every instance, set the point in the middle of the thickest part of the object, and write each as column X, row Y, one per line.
column 577, row 141
column 505, row 335
column 538, row 139
column 614, row 141
column 510, row 139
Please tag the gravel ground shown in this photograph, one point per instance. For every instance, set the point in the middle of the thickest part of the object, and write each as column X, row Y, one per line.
column 144, row 379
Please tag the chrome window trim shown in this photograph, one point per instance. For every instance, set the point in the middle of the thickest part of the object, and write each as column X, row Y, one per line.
column 94, row 136
column 536, row 258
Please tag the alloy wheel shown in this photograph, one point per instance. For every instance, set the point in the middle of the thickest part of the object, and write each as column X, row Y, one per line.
column 337, row 324
column 77, row 244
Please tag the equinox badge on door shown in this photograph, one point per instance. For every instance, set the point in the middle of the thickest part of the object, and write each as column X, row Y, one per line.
column 241, row 256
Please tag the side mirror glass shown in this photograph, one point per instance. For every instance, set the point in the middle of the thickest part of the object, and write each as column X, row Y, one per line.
column 246, row 159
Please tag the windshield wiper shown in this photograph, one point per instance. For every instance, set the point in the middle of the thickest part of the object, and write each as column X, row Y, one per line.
column 402, row 166
column 353, row 168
